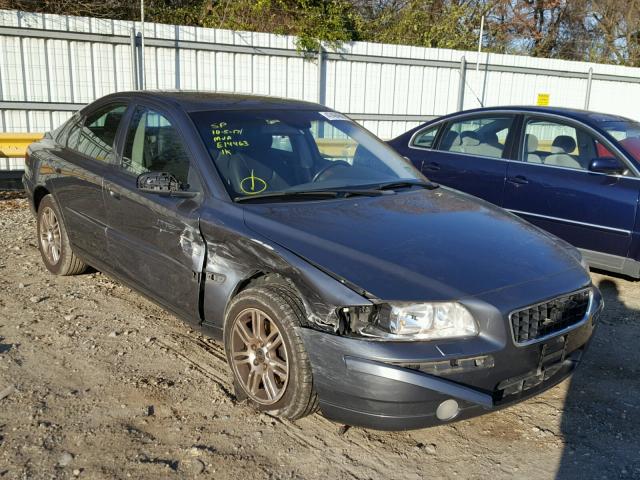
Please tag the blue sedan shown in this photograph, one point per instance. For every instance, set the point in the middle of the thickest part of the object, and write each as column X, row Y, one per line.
column 571, row 172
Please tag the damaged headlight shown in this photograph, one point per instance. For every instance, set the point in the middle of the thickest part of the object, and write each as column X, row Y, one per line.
column 417, row 321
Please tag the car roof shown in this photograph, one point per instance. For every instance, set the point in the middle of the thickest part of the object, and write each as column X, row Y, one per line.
column 193, row 101
column 585, row 116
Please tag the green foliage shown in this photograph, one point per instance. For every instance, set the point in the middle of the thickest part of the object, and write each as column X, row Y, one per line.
column 605, row 31
column 312, row 21
column 427, row 23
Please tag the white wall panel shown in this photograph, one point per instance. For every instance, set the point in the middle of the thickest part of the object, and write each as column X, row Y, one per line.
column 16, row 121
column 39, row 121
column 59, row 71
column 243, row 73
column 11, row 69
column 224, row 72
column 372, row 92
column 72, row 71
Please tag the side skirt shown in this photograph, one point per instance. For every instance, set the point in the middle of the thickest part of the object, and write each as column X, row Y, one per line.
column 612, row 263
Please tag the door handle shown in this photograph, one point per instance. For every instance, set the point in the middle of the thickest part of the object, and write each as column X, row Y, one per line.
column 114, row 194
column 432, row 166
column 518, row 180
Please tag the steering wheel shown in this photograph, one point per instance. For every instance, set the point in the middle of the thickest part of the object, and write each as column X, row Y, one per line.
column 333, row 164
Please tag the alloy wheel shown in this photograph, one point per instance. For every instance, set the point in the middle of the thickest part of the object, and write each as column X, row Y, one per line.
column 50, row 236
column 259, row 356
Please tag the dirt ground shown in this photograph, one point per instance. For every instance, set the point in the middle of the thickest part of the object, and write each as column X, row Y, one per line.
column 97, row 382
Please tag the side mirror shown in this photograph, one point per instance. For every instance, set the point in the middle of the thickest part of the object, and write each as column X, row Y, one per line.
column 607, row 165
column 161, row 183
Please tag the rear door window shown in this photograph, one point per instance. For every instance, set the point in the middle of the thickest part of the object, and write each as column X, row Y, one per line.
column 97, row 135
column 480, row 136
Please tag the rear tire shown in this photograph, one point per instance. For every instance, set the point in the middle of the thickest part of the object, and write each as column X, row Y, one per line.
column 270, row 365
column 53, row 241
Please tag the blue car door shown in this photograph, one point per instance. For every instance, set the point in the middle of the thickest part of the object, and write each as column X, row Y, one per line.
column 470, row 154
column 551, row 186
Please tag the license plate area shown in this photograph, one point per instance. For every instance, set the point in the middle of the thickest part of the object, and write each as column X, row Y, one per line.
column 552, row 354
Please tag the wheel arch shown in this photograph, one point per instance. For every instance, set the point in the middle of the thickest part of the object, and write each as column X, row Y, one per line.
column 263, row 278
column 38, row 194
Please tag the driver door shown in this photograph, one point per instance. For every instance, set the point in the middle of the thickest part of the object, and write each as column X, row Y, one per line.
column 154, row 241
column 552, row 187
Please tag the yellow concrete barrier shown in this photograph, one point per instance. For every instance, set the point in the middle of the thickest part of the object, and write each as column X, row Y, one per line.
column 14, row 145
column 336, row 147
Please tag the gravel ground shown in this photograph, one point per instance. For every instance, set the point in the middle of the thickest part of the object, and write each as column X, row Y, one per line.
column 97, row 382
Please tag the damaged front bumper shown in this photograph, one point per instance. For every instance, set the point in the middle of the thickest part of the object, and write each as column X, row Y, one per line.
column 401, row 385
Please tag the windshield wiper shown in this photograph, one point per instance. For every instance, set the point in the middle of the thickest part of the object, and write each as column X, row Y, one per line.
column 302, row 194
column 407, row 184
column 317, row 194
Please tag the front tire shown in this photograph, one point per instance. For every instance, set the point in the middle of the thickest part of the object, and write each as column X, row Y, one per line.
column 266, row 354
column 53, row 240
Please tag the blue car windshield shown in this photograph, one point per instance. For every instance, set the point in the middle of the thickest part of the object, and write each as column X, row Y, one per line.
column 626, row 132
column 267, row 151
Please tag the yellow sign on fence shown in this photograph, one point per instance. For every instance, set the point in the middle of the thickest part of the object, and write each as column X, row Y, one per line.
column 543, row 99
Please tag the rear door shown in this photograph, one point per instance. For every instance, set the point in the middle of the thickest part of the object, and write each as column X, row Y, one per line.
column 552, row 187
column 155, row 240
column 89, row 153
column 470, row 155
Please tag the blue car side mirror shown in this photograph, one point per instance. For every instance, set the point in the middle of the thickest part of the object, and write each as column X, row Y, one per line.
column 607, row 165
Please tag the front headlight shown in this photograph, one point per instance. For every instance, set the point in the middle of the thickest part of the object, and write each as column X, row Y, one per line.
column 420, row 321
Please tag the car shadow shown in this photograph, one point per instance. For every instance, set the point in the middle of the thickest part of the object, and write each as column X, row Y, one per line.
column 601, row 418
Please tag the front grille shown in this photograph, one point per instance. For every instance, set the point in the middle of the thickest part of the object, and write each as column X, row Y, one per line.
column 538, row 321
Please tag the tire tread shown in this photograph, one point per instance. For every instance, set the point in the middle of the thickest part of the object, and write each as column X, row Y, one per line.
column 285, row 300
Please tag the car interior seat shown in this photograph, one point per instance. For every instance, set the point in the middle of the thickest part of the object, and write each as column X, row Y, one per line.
column 253, row 168
column 451, row 142
column 531, row 148
column 111, row 122
column 561, row 149
column 473, row 144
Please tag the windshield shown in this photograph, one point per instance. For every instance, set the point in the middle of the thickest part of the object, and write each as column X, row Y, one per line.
column 627, row 133
column 266, row 151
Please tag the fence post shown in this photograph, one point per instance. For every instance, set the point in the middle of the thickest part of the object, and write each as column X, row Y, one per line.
column 461, row 85
column 134, row 65
column 587, row 97
column 321, row 76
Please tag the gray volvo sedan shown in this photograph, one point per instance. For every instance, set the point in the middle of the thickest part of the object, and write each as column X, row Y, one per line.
column 338, row 277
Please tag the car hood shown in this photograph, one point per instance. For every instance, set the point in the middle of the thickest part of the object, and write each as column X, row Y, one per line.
column 415, row 245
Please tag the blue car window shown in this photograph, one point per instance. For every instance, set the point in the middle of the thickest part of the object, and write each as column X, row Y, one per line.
column 426, row 137
column 483, row 137
column 627, row 133
column 558, row 144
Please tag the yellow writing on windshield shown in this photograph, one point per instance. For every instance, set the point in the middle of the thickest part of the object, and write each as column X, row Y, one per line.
column 226, row 138
column 252, row 185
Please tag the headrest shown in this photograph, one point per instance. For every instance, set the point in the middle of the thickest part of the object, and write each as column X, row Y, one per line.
column 563, row 144
column 491, row 138
column 112, row 120
column 257, row 139
column 531, row 142
column 450, row 139
column 470, row 138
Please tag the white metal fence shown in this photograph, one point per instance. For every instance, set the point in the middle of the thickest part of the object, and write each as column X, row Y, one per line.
column 51, row 65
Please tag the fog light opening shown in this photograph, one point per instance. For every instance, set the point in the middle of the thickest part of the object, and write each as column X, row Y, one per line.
column 448, row 410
